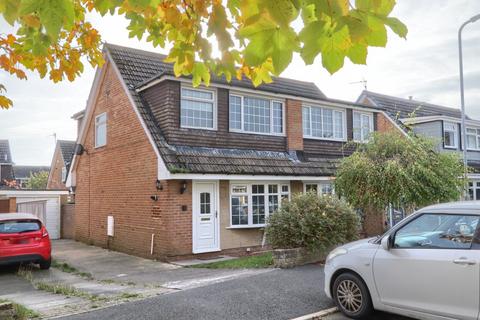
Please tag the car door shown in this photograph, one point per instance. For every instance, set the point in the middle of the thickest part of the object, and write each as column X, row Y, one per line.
column 432, row 267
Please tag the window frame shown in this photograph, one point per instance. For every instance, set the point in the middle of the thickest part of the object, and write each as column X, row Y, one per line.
column 213, row 91
column 64, row 174
column 319, row 185
column 472, row 244
column 474, row 187
column 97, row 125
column 344, row 122
column 242, row 120
column 370, row 124
column 455, row 135
column 477, row 138
column 250, row 195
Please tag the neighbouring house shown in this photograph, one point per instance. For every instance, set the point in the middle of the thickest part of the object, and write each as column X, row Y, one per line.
column 45, row 204
column 165, row 170
column 438, row 122
column 23, row 173
column 59, row 169
column 61, row 161
column 6, row 163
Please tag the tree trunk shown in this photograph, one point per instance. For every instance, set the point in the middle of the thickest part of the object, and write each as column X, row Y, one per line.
column 374, row 222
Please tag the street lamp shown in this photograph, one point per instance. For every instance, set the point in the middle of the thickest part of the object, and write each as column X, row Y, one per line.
column 462, row 97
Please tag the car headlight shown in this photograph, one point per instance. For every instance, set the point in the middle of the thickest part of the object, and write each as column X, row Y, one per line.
column 335, row 253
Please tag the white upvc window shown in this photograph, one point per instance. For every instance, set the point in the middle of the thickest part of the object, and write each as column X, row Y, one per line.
column 450, row 134
column 473, row 139
column 256, row 115
column 362, row 126
column 101, row 130
column 64, row 174
column 321, row 188
column 197, row 109
column 474, row 190
column 324, row 123
column 252, row 203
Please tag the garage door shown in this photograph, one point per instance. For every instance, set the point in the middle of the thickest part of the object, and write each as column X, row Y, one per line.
column 37, row 208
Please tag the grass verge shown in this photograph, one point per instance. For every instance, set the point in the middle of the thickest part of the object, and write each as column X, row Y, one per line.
column 251, row 262
column 20, row 312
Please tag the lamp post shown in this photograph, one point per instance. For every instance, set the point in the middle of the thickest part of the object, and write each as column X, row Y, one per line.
column 462, row 97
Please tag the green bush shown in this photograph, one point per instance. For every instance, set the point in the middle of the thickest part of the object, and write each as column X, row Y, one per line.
column 311, row 221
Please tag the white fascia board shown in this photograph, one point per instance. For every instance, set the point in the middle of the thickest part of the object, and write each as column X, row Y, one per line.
column 32, row 193
column 267, row 94
column 189, row 176
column 439, row 118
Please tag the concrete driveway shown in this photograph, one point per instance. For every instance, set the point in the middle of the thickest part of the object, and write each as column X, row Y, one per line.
column 115, row 266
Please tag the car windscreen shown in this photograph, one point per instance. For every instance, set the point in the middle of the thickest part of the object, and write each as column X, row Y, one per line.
column 19, row 226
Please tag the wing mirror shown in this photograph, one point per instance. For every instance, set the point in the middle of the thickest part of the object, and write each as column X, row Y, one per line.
column 387, row 242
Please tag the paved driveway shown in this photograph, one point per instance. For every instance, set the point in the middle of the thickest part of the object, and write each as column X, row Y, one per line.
column 119, row 267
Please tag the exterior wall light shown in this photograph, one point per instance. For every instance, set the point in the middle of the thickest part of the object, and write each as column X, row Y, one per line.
column 183, row 188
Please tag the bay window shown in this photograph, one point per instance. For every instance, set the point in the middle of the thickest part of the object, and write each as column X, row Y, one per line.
column 362, row 126
column 256, row 115
column 323, row 123
column 197, row 109
column 252, row 203
column 450, row 134
column 473, row 139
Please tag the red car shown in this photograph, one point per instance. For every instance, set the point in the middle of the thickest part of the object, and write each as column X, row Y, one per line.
column 24, row 239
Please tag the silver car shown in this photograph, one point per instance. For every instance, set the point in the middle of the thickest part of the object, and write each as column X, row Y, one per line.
column 426, row 267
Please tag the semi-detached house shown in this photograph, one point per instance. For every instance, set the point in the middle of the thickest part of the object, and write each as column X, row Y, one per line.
column 441, row 123
column 163, row 169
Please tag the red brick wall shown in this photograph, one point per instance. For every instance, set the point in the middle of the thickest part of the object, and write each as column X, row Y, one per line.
column 384, row 124
column 55, row 177
column 294, row 124
column 119, row 179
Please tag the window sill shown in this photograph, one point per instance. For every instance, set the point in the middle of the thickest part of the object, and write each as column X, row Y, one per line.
column 198, row 128
column 247, row 227
column 451, row 148
column 258, row 133
column 325, row 139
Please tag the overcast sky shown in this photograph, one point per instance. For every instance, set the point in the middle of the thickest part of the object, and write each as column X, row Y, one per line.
column 424, row 66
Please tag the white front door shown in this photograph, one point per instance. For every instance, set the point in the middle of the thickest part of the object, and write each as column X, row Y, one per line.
column 205, row 217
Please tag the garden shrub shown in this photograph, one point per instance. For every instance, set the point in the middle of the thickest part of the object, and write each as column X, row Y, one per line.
column 312, row 221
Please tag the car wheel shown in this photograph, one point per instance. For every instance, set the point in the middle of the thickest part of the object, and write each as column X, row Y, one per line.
column 45, row 264
column 351, row 296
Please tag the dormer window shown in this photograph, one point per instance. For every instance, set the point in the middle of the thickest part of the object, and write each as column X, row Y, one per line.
column 362, row 126
column 324, row 123
column 450, row 134
column 256, row 115
column 197, row 109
